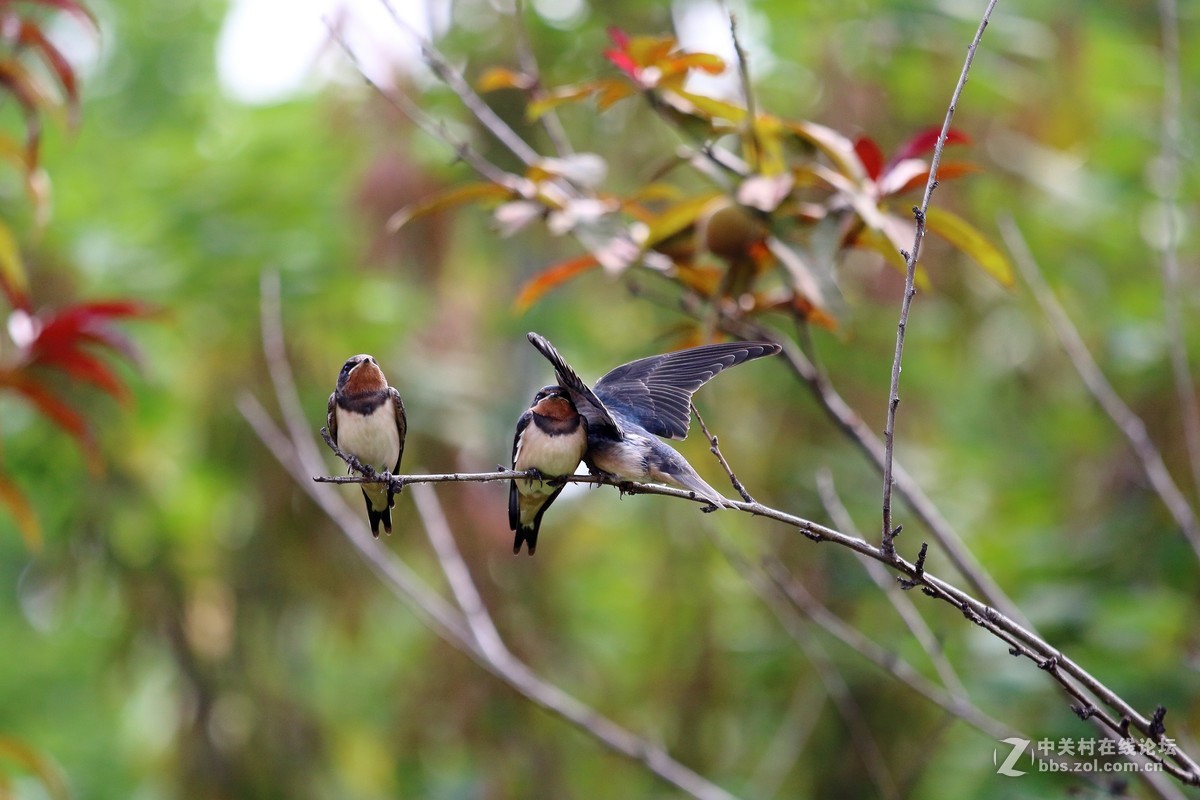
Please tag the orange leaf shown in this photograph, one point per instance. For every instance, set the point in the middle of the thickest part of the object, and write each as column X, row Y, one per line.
column 946, row 170
column 562, row 95
column 12, row 269
column 41, row 766
column 447, row 199
column 22, row 513
column 502, row 78
column 551, row 277
column 705, row 281
column 678, row 218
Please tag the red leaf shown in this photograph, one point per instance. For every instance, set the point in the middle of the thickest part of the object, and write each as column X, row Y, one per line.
column 870, row 155
column 20, row 83
column 619, row 37
column 71, row 7
column 551, row 277
column 57, row 412
column 32, row 35
column 925, row 141
column 86, row 322
column 85, row 367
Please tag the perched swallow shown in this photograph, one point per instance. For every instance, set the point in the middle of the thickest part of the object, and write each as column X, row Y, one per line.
column 639, row 401
column 551, row 438
column 366, row 420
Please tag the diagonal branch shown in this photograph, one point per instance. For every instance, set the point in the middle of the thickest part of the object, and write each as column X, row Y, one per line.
column 490, row 120
column 910, row 259
column 900, row 599
column 1128, row 422
column 1168, row 182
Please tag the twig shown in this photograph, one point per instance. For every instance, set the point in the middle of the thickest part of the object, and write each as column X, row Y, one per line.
column 433, row 127
column 1168, row 181
column 910, row 260
column 788, row 742
column 715, row 449
column 831, row 679
column 900, row 600
column 437, row 528
column 751, row 122
column 1126, row 420
column 529, row 66
column 851, row 423
column 466, row 95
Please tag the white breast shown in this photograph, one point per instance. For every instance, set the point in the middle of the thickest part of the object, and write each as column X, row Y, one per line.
column 550, row 455
column 373, row 439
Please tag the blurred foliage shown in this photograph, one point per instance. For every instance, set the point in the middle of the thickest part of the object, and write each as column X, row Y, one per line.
column 194, row 627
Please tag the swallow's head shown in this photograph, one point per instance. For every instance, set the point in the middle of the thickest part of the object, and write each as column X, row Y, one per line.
column 361, row 373
column 553, row 402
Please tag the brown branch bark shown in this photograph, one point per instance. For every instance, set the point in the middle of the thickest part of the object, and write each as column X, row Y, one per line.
column 910, row 259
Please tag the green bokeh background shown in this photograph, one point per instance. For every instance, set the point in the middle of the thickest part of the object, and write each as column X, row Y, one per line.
column 196, row 628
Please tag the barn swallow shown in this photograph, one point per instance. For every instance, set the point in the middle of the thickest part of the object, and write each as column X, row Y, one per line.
column 551, row 438
column 366, row 420
column 639, row 401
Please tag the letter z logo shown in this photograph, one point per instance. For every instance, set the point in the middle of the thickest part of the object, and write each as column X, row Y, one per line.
column 1018, row 747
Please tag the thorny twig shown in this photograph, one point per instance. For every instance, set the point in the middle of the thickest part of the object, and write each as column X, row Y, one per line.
column 1078, row 682
column 910, row 260
column 715, row 449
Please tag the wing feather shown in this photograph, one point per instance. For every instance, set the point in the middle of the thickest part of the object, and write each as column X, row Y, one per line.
column 656, row 392
column 598, row 417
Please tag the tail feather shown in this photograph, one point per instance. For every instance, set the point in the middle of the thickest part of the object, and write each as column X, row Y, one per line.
column 525, row 533
column 377, row 517
column 678, row 472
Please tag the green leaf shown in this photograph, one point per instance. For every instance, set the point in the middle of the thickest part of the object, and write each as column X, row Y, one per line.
column 962, row 235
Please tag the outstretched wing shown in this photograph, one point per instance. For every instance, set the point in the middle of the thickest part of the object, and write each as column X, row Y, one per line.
column 586, row 402
column 657, row 391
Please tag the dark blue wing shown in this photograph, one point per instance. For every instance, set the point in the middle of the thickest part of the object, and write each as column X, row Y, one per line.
column 656, row 392
column 600, row 421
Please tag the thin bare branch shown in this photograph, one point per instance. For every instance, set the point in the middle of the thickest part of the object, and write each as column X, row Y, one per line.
column 889, row 662
column 835, row 686
column 715, row 449
column 529, row 66
column 490, row 120
column 910, row 259
column 750, row 131
column 435, row 128
column 1105, row 395
column 437, row 528
column 900, row 599
column 1167, row 181
column 789, row 741
column 851, row 423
